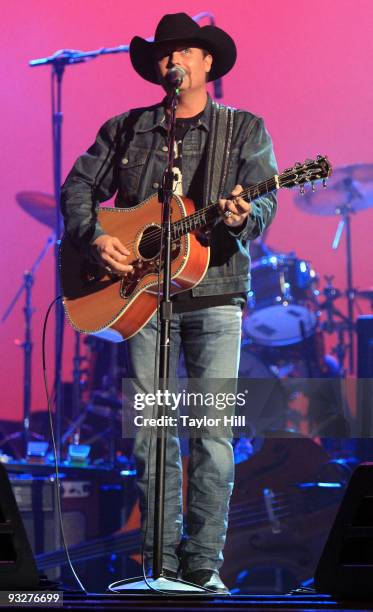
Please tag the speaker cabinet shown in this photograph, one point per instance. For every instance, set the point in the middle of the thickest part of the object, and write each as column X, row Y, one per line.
column 92, row 507
column 17, row 566
column 364, row 328
column 345, row 569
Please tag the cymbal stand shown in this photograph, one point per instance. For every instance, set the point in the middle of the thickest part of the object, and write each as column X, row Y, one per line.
column 79, row 409
column 27, row 345
column 330, row 326
column 345, row 213
column 77, row 388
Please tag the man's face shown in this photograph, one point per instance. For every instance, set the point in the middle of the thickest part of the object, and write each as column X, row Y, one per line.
column 196, row 63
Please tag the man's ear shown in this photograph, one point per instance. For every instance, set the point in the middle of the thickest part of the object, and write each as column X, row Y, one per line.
column 208, row 59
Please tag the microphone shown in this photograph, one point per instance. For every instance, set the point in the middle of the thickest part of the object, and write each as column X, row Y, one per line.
column 175, row 76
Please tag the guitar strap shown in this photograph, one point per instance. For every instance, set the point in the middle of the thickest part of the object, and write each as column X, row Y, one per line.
column 218, row 152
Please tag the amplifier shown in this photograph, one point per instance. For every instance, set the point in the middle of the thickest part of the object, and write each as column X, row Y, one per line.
column 92, row 507
column 364, row 329
column 35, row 497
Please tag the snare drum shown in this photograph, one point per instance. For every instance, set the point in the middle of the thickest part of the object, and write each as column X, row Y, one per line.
column 281, row 304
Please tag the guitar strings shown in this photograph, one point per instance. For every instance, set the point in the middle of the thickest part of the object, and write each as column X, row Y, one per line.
column 199, row 214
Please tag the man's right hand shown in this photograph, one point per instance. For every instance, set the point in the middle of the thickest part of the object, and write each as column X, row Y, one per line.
column 111, row 254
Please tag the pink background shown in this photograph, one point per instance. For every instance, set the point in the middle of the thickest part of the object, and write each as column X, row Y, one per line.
column 306, row 67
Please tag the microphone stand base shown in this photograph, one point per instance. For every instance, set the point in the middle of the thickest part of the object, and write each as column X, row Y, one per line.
column 162, row 584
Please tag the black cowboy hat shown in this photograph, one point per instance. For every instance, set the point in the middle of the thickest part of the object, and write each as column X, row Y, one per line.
column 179, row 27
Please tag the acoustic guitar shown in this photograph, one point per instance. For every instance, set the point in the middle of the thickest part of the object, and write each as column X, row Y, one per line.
column 95, row 300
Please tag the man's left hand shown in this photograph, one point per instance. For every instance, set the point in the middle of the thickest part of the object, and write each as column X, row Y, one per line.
column 235, row 210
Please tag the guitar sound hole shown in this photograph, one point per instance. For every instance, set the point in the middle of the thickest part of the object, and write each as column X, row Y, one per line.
column 150, row 241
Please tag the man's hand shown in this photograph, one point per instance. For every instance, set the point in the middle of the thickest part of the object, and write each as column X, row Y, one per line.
column 112, row 255
column 235, row 210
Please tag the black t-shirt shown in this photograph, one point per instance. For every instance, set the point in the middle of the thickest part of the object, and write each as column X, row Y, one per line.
column 185, row 301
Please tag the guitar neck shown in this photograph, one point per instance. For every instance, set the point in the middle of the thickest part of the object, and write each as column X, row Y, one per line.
column 204, row 216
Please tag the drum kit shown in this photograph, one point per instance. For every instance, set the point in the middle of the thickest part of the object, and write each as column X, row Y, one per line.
column 283, row 322
column 283, row 326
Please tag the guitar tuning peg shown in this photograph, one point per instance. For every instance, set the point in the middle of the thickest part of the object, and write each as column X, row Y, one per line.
column 313, row 186
column 324, row 183
column 301, row 190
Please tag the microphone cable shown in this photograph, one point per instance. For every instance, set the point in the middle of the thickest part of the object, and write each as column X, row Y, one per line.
column 57, row 479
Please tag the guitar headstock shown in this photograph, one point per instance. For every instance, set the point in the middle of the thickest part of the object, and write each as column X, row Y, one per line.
column 311, row 171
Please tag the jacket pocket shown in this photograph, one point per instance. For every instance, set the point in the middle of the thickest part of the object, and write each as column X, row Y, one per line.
column 130, row 170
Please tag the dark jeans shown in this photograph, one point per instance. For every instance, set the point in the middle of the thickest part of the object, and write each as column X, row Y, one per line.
column 210, row 339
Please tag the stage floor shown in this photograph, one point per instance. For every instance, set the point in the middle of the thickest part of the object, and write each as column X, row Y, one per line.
column 158, row 603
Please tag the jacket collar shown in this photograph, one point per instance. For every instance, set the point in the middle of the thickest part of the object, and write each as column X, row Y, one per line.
column 154, row 117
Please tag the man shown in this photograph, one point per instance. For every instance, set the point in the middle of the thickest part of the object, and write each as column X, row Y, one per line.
column 129, row 156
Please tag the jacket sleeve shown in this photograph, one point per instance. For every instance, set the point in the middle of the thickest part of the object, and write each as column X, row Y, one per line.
column 257, row 163
column 91, row 180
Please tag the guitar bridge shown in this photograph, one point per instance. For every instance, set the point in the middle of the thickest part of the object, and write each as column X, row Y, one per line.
column 144, row 267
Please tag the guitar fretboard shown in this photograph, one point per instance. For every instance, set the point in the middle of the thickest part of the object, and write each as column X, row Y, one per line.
column 206, row 215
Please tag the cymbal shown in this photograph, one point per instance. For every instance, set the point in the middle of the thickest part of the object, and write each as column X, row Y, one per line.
column 41, row 206
column 349, row 187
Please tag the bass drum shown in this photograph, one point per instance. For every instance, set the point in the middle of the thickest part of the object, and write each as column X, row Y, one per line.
column 281, row 307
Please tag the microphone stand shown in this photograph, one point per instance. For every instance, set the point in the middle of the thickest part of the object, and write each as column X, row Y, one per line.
column 159, row 582
column 165, row 198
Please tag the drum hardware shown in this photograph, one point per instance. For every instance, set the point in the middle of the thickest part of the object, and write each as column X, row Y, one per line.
column 100, row 408
column 365, row 294
column 27, row 344
column 107, row 366
column 95, row 397
column 78, row 380
column 350, row 190
column 44, row 207
column 96, row 416
column 109, row 408
column 41, row 206
column 345, row 222
column 341, row 326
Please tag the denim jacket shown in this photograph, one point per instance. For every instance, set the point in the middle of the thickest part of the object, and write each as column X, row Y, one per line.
column 128, row 158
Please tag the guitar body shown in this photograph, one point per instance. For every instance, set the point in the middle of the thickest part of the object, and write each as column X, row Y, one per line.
column 95, row 300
